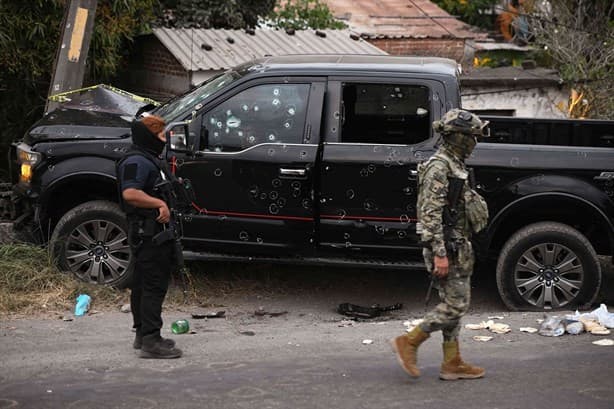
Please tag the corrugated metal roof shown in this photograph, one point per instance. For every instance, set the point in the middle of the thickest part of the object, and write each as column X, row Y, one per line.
column 232, row 47
column 401, row 19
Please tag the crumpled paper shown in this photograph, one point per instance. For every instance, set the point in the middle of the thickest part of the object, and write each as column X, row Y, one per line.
column 496, row 327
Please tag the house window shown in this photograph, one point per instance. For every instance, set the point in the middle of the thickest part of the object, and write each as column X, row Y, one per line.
column 270, row 113
column 385, row 113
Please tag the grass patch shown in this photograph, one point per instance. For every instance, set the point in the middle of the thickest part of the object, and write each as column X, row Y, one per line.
column 30, row 284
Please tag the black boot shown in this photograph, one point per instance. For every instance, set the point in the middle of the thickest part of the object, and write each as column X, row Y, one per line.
column 138, row 341
column 155, row 347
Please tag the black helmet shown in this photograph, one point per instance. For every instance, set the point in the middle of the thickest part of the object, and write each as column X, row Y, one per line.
column 461, row 121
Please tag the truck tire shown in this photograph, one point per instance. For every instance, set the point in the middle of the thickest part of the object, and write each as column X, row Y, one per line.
column 91, row 242
column 545, row 266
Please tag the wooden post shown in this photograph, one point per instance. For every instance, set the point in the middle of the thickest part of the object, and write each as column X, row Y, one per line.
column 71, row 56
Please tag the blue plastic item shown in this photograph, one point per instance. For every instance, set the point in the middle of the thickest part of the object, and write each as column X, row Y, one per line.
column 83, row 304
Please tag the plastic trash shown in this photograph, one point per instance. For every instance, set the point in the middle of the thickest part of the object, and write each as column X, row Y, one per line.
column 82, row 305
column 552, row 327
column 605, row 318
column 573, row 327
column 601, row 314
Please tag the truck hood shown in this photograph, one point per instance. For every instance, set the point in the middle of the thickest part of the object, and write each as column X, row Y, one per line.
column 69, row 124
column 97, row 112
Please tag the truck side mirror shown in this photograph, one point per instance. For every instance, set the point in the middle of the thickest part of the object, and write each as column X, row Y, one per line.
column 178, row 138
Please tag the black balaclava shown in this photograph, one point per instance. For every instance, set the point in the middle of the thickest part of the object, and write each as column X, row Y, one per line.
column 460, row 144
column 145, row 139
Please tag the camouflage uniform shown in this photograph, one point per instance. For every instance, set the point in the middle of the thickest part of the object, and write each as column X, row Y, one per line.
column 468, row 213
column 455, row 289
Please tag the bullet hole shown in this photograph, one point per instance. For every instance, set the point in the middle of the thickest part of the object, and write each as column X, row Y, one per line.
column 273, row 208
column 263, row 196
column 402, row 234
column 346, row 236
column 254, row 191
column 281, row 202
column 348, row 244
column 271, row 152
column 259, row 240
column 350, row 194
column 380, row 230
column 408, row 191
column 371, row 168
column 364, row 172
column 244, row 236
column 369, row 205
column 218, row 172
column 306, row 204
column 296, row 193
column 404, row 219
column 276, row 183
column 341, row 213
column 295, row 184
column 273, row 195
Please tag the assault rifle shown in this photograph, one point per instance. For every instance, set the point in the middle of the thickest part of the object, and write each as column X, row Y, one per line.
column 178, row 195
column 449, row 219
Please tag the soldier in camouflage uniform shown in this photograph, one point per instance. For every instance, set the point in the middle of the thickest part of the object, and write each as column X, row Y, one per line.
column 449, row 211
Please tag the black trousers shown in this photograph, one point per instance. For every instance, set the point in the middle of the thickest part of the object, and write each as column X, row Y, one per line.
column 152, row 272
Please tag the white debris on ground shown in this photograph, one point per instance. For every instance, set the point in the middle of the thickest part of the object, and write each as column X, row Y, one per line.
column 604, row 342
column 496, row 327
column 482, row 338
column 530, row 330
column 367, row 341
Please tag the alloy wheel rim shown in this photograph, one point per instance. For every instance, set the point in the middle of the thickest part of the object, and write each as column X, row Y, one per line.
column 548, row 275
column 97, row 251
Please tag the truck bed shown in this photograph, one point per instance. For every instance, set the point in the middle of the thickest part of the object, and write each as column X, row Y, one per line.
column 554, row 132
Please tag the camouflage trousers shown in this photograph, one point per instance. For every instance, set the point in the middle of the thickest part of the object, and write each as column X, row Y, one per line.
column 454, row 293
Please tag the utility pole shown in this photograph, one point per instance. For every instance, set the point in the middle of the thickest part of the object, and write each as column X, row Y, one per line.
column 71, row 56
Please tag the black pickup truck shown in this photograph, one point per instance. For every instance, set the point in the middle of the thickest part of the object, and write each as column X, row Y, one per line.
column 312, row 159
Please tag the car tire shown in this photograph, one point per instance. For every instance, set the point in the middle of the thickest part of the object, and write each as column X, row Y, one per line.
column 91, row 242
column 545, row 266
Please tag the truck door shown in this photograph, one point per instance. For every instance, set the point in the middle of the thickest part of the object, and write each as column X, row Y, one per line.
column 372, row 145
column 254, row 179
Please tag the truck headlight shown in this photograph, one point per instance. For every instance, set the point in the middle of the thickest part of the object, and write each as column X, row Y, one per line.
column 27, row 159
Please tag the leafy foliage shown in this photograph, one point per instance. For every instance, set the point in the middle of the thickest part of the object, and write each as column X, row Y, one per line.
column 579, row 37
column 470, row 11
column 303, row 14
column 29, row 36
column 231, row 14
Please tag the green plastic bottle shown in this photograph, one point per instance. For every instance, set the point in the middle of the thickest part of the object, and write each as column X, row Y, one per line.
column 180, row 327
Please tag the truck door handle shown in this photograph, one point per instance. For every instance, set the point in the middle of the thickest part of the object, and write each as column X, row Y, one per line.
column 292, row 172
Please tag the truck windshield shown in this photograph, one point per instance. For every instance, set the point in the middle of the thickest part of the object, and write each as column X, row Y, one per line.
column 187, row 102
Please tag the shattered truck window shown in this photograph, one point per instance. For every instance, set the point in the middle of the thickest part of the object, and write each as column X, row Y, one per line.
column 271, row 113
column 385, row 113
column 177, row 108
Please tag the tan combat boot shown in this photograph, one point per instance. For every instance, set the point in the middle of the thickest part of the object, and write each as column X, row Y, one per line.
column 406, row 347
column 453, row 366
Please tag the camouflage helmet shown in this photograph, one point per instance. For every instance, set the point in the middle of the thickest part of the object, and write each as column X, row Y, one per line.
column 461, row 121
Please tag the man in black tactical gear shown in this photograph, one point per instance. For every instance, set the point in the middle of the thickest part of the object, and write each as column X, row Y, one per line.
column 139, row 171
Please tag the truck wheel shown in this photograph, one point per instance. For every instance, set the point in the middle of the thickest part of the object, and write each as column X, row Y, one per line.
column 546, row 266
column 91, row 241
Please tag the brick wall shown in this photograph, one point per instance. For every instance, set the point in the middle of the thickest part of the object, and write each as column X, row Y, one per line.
column 427, row 47
column 154, row 72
